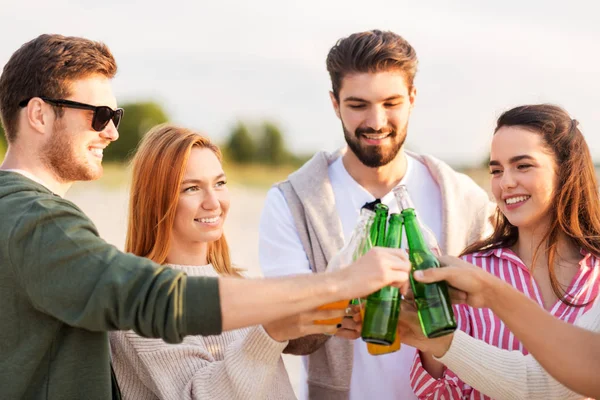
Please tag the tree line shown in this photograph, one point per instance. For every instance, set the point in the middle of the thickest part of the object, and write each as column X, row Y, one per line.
column 262, row 143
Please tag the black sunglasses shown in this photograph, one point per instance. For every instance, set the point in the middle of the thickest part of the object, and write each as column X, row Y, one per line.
column 102, row 114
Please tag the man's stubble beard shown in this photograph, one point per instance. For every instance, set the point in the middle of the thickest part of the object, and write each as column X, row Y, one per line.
column 60, row 156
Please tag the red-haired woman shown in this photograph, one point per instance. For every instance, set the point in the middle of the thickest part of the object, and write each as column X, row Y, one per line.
column 179, row 202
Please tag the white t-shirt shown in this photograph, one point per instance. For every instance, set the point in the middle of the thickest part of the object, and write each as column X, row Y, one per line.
column 281, row 253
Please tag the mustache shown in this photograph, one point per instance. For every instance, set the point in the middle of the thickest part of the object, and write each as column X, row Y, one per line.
column 386, row 131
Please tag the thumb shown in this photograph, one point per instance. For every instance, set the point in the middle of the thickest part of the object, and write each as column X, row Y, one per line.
column 431, row 275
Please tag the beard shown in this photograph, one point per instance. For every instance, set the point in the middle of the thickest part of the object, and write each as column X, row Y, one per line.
column 374, row 156
column 61, row 157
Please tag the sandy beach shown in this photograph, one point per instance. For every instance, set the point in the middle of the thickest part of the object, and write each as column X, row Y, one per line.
column 108, row 209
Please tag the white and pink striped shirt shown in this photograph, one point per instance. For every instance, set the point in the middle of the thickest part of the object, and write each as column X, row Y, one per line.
column 484, row 325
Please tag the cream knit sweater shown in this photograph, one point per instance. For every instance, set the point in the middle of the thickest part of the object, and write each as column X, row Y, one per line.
column 239, row 364
column 503, row 374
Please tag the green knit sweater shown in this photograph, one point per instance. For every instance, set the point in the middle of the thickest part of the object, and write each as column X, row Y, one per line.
column 62, row 288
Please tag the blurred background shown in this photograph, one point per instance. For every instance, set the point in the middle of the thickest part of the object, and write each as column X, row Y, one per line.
column 251, row 75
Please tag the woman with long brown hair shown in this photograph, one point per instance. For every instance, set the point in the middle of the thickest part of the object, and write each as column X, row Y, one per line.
column 179, row 202
column 546, row 241
column 564, row 358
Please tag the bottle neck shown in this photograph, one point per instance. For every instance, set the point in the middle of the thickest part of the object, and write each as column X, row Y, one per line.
column 364, row 223
column 394, row 234
column 416, row 241
column 378, row 230
column 360, row 241
column 403, row 198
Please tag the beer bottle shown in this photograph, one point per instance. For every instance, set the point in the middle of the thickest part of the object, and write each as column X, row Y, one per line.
column 380, row 321
column 432, row 299
column 358, row 245
column 364, row 239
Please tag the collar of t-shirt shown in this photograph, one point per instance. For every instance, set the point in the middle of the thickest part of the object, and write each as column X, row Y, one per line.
column 358, row 195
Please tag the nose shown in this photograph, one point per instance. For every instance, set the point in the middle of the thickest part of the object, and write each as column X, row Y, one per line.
column 377, row 118
column 110, row 132
column 210, row 201
column 507, row 181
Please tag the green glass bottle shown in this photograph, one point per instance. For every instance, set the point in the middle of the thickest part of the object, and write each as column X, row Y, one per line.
column 432, row 299
column 380, row 322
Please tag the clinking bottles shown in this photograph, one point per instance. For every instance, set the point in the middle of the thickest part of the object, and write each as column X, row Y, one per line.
column 432, row 299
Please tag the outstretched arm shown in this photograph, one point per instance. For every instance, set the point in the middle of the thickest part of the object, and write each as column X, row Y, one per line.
column 247, row 302
column 571, row 354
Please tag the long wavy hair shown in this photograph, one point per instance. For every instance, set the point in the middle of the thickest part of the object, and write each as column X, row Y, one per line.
column 575, row 208
column 158, row 169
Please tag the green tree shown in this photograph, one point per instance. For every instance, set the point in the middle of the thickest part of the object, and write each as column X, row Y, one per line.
column 137, row 120
column 240, row 146
column 272, row 148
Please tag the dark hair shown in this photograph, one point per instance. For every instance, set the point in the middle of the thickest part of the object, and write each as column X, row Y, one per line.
column 371, row 51
column 575, row 209
column 45, row 66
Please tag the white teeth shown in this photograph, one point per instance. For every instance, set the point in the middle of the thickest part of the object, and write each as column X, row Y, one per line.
column 376, row 137
column 518, row 199
column 209, row 220
column 97, row 152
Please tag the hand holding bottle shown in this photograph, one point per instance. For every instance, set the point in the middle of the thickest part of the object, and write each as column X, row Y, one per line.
column 468, row 284
column 358, row 244
column 351, row 323
column 378, row 268
column 411, row 333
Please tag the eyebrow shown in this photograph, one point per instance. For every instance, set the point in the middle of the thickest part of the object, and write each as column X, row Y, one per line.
column 185, row 181
column 353, row 98
column 513, row 159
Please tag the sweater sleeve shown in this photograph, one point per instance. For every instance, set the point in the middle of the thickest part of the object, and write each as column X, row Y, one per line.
column 449, row 386
column 501, row 374
column 189, row 371
column 71, row 274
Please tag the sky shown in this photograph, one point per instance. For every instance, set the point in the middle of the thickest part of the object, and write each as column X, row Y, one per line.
column 211, row 64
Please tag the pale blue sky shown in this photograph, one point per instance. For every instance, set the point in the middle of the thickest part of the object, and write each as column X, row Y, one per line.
column 210, row 63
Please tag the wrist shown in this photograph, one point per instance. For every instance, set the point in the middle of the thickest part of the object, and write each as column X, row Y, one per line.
column 441, row 345
column 492, row 290
column 336, row 285
column 272, row 333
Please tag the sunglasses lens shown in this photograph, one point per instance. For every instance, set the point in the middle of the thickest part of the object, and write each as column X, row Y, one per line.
column 101, row 118
column 117, row 117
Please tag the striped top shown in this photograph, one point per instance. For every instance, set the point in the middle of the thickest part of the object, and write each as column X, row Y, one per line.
column 484, row 325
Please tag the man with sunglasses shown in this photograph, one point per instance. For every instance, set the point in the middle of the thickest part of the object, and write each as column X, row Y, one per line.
column 61, row 286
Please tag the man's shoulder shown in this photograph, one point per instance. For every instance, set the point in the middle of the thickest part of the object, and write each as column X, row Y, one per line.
column 21, row 207
column 32, row 201
column 442, row 172
column 313, row 172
